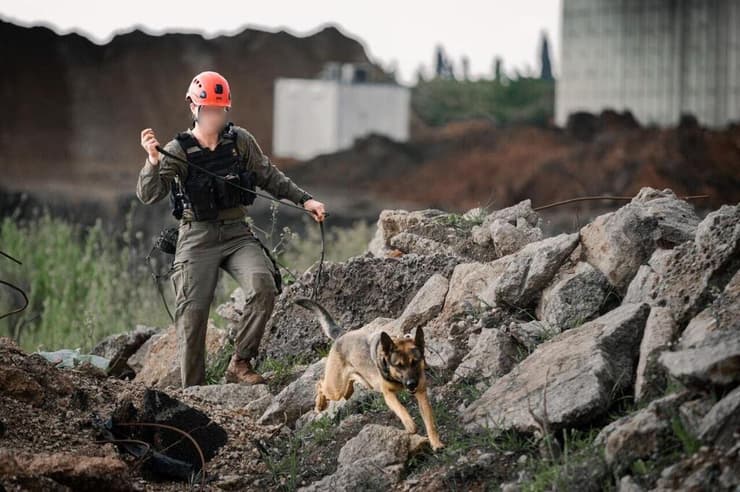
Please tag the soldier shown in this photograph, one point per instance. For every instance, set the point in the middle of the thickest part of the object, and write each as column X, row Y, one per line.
column 213, row 231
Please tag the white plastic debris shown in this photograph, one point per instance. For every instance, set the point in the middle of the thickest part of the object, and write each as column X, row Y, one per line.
column 68, row 358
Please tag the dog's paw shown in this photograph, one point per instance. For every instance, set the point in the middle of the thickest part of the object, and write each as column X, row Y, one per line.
column 437, row 445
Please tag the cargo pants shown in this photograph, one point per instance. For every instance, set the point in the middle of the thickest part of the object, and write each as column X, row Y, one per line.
column 202, row 248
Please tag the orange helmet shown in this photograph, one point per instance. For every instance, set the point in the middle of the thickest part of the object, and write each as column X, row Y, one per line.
column 209, row 88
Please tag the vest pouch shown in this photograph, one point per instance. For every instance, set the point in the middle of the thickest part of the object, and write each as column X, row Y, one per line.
column 175, row 203
column 227, row 195
column 246, row 180
column 203, row 199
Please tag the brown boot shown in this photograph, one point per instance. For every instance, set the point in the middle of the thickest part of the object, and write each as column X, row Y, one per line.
column 241, row 371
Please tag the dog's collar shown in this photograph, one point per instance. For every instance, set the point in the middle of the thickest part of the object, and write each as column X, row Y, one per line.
column 380, row 362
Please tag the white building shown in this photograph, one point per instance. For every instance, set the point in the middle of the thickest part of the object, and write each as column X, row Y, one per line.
column 656, row 58
column 315, row 116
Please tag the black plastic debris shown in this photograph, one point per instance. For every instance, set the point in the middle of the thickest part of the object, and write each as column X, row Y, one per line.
column 171, row 439
column 155, row 465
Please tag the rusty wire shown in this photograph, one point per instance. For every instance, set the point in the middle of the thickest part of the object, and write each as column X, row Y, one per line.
column 134, row 441
column 604, row 197
column 185, row 434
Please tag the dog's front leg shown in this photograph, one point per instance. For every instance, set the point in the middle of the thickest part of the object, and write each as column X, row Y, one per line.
column 321, row 402
column 394, row 404
column 428, row 416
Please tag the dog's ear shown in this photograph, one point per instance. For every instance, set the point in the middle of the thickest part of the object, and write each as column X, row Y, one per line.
column 419, row 338
column 386, row 343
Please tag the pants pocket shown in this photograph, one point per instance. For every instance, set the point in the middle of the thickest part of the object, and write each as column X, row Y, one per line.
column 180, row 279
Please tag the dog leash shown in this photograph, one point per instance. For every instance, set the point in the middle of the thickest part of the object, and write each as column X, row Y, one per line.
column 317, row 280
column 14, row 287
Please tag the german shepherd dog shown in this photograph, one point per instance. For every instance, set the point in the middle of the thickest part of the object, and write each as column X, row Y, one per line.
column 382, row 363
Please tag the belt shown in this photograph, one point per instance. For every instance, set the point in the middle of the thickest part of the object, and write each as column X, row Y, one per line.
column 214, row 221
column 229, row 220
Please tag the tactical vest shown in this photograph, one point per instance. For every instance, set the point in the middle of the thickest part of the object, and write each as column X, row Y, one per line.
column 204, row 194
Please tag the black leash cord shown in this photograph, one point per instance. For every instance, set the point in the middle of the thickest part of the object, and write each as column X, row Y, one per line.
column 15, row 287
column 156, row 281
column 211, row 173
column 317, row 281
column 25, row 299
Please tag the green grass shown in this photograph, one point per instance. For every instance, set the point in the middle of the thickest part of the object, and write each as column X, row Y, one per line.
column 460, row 221
column 557, row 474
column 217, row 364
column 300, row 252
column 689, row 443
column 458, row 440
column 282, row 369
column 283, row 457
column 83, row 283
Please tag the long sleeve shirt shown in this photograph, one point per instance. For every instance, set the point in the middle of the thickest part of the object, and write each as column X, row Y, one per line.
column 155, row 181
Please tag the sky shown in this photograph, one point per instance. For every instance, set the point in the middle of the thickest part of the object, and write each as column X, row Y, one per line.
column 395, row 33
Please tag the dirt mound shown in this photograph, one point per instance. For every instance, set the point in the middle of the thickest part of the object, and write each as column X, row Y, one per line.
column 49, row 440
column 469, row 164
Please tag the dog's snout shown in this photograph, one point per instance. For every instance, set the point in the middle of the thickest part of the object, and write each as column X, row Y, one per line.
column 411, row 384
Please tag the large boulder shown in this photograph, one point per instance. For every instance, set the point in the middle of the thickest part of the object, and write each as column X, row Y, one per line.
column 715, row 361
column 691, row 275
column 426, row 304
column 641, row 435
column 721, row 425
column 355, row 292
column 252, row 399
column 492, row 356
column 295, row 399
column 530, row 333
column 508, row 238
column 584, row 369
column 509, row 229
column 710, row 468
column 722, row 315
column 372, row 460
column 119, row 347
column 660, row 332
column 617, row 243
column 573, row 297
column 157, row 362
column 427, row 232
column 471, row 284
column 442, row 342
column 530, row 270
column 708, row 351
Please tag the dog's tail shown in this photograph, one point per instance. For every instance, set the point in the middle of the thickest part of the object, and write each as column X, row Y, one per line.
column 327, row 323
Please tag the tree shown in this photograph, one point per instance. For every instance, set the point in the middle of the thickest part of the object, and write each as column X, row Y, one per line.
column 497, row 69
column 443, row 66
column 466, row 67
column 546, row 68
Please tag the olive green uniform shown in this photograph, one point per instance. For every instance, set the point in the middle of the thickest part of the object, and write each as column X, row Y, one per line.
column 227, row 242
